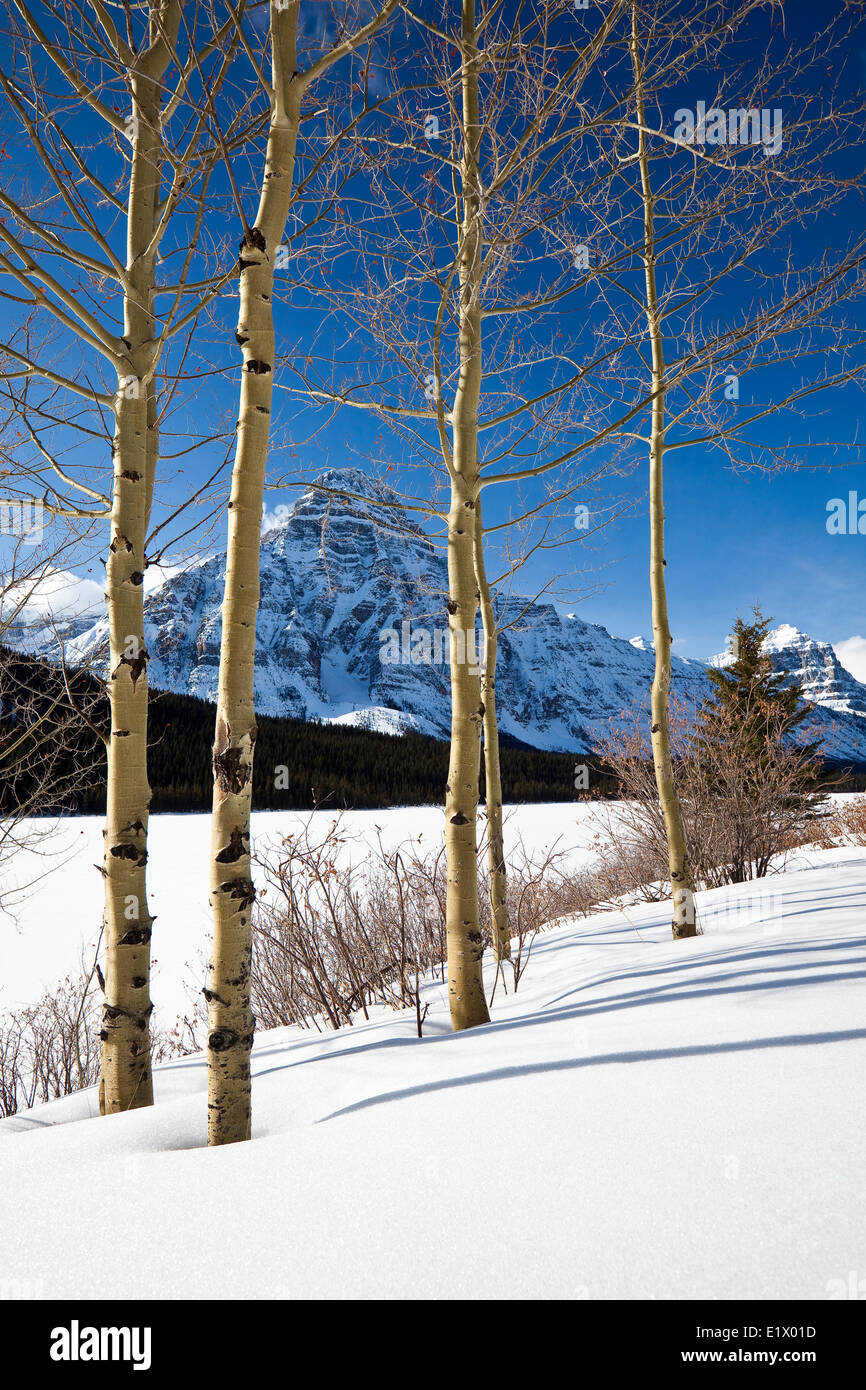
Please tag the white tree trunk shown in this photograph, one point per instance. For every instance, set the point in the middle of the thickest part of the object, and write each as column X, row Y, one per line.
column 125, row 1081
column 492, row 776
column 684, row 921
column 230, row 1019
column 464, row 944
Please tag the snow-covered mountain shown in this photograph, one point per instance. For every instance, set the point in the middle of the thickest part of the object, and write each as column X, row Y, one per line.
column 352, row 629
column 816, row 667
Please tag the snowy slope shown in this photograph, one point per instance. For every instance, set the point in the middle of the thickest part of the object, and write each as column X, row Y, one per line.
column 644, row 1119
column 337, row 577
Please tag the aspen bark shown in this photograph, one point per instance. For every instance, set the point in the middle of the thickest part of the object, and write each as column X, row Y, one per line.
column 230, row 1019
column 125, row 1080
column 492, row 776
column 463, row 929
column 464, row 945
column 682, row 885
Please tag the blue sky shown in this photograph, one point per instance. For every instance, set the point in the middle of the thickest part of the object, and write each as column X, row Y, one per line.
column 734, row 539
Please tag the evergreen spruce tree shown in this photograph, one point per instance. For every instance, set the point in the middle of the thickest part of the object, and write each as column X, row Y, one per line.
column 769, row 709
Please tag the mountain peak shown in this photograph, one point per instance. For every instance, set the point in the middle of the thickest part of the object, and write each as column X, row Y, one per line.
column 350, row 492
column 787, row 636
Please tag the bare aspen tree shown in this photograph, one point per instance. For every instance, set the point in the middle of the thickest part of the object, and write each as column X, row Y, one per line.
column 682, row 885
column 83, row 244
column 230, row 1018
column 125, row 1080
column 465, row 982
column 726, row 206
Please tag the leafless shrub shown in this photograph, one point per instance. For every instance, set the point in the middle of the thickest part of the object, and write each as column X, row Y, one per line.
column 182, row 1039
column 334, row 939
column 844, row 825
column 50, row 1048
column 11, row 1064
column 331, row 940
column 742, row 807
column 541, row 888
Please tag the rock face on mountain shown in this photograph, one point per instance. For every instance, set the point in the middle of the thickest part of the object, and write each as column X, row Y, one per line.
column 816, row 667
column 352, row 628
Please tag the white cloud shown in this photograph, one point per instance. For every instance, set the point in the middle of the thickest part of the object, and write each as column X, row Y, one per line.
column 852, row 654
column 157, row 575
column 57, row 594
column 60, row 595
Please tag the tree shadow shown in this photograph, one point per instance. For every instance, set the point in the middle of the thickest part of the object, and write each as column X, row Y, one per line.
column 577, row 1063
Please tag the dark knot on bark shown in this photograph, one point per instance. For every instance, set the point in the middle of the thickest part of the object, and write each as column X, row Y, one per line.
column 221, row 1039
